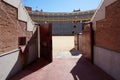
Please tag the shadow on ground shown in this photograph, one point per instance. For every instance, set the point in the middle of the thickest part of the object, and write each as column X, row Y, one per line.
column 61, row 69
column 75, row 52
column 84, row 70
column 38, row 64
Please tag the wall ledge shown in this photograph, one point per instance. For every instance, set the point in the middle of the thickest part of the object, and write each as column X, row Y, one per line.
column 9, row 52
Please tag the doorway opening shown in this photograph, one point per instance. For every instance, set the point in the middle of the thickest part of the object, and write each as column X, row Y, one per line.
column 64, row 47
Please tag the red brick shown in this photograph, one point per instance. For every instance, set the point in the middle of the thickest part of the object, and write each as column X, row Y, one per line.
column 108, row 29
column 10, row 28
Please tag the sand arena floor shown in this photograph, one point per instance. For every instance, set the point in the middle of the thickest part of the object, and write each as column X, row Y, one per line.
column 62, row 43
column 63, row 47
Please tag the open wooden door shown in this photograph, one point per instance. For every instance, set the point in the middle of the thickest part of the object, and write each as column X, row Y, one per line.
column 46, row 41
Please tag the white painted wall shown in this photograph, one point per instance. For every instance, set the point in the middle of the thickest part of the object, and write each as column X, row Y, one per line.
column 10, row 64
column 100, row 12
column 108, row 60
column 22, row 13
column 14, row 3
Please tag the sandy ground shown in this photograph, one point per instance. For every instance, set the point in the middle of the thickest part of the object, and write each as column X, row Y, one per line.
column 62, row 43
column 63, row 47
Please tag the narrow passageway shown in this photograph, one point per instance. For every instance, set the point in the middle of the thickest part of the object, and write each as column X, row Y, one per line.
column 68, row 64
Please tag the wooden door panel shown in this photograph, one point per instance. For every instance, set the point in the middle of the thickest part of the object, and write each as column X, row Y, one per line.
column 46, row 41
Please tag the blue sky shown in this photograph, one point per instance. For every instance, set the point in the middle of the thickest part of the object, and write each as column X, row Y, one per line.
column 61, row 5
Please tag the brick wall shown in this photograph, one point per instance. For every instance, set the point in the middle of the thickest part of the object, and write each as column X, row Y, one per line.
column 86, row 41
column 107, row 34
column 10, row 28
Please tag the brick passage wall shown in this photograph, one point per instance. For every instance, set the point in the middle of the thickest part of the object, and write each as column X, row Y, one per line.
column 107, row 34
column 86, row 41
column 10, row 28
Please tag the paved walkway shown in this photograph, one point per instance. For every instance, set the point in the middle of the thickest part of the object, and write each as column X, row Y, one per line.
column 62, row 69
column 68, row 64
